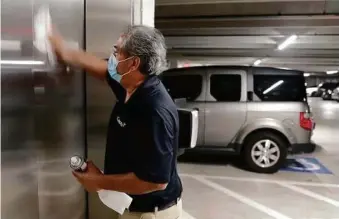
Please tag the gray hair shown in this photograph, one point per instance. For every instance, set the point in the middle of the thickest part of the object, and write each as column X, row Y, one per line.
column 148, row 44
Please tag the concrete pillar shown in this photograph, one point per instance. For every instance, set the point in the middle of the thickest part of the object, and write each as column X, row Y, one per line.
column 143, row 12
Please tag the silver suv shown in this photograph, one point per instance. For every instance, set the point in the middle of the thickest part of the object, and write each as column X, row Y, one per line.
column 260, row 113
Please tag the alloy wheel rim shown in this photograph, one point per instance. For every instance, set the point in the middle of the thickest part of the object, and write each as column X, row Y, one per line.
column 265, row 153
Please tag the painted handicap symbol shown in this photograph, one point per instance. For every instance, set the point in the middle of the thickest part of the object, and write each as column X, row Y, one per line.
column 307, row 165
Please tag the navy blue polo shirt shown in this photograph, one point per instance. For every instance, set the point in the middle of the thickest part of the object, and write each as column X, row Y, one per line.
column 143, row 138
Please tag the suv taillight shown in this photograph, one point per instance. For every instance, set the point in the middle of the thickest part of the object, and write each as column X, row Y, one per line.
column 306, row 121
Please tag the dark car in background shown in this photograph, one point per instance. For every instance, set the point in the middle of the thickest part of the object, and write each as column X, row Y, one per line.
column 318, row 92
column 312, row 91
column 327, row 89
column 335, row 94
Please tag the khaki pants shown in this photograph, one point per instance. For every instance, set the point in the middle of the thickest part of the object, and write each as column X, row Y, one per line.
column 173, row 212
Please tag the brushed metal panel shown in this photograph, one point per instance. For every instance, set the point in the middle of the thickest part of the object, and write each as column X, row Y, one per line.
column 59, row 122
column 105, row 21
column 19, row 182
column 42, row 118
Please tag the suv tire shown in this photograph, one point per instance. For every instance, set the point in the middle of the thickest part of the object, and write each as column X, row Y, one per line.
column 254, row 149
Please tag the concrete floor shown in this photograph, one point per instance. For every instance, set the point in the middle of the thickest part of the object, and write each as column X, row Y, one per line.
column 215, row 189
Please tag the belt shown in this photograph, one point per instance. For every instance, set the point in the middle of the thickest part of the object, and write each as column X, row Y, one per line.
column 156, row 208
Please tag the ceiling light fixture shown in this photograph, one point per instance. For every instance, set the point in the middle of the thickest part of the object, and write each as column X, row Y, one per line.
column 307, row 74
column 21, row 62
column 257, row 62
column 287, row 42
column 331, row 72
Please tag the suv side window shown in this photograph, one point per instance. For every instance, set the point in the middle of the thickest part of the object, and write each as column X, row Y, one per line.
column 226, row 87
column 279, row 87
column 183, row 86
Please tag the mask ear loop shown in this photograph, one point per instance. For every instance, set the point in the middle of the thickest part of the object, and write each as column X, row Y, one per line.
column 123, row 61
column 125, row 74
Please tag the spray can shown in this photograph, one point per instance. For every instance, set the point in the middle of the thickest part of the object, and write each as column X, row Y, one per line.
column 117, row 201
column 78, row 163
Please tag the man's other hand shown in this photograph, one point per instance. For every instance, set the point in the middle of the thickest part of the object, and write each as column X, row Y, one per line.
column 89, row 178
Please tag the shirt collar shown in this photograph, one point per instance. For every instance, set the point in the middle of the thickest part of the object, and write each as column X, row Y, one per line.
column 149, row 82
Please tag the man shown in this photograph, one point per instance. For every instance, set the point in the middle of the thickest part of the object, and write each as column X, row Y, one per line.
column 142, row 137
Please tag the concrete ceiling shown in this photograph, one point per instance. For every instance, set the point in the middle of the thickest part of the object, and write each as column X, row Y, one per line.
column 242, row 31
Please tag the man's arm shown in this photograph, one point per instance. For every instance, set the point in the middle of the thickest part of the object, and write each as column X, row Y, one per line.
column 127, row 183
column 95, row 66
column 92, row 64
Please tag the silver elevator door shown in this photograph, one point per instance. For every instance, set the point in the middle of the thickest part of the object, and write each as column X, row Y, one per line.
column 42, row 120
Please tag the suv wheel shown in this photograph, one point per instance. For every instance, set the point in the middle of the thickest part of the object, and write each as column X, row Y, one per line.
column 265, row 152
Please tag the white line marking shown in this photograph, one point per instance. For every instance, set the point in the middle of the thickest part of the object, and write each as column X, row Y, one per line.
column 243, row 199
column 244, row 179
column 186, row 215
column 311, row 194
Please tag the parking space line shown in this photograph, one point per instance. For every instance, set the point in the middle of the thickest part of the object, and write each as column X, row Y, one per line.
column 311, row 194
column 244, row 179
column 241, row 198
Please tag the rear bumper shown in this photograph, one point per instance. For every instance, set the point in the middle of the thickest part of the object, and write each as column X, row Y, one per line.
column 302, row 148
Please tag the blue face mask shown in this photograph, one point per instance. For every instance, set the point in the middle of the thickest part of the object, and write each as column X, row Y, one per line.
column 112, row 68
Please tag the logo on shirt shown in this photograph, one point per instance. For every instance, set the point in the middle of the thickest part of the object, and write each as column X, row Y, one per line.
column 122, row 124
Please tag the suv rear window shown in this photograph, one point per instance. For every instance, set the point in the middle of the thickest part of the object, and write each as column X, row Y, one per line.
column 280, row 87
column 183, row 86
